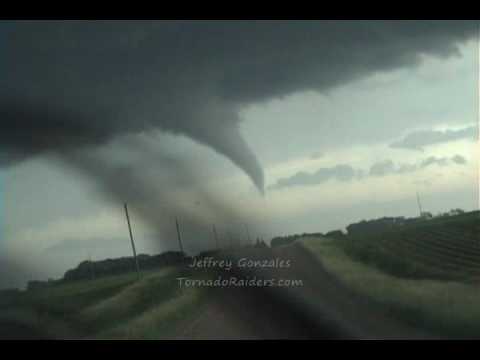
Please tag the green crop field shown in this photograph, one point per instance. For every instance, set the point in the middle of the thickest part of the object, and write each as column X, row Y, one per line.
column 446, row 249
column 426, row 275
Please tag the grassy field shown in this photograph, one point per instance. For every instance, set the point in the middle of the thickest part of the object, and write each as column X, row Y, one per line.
column 415, row 291
column 427, row 275
column 114, row 307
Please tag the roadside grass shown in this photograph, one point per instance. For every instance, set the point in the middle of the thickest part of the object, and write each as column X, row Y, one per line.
column 44, row 325
column 155, row 307
column 445, row 308
column 64, row 299
column 149, row 291
column 51, row 311
column 114, row 307
column 162, row 320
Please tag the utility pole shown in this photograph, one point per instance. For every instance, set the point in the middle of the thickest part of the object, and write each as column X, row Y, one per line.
column 131, row 240
column 419, row 205
column 179, row 237
column 215, row 236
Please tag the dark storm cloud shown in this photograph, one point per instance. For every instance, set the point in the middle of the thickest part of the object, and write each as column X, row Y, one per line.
column 433, row 160
column 316, row 155
column 66, row 247
column 406, row 168
column 419, row 139
column 302, row 178
column 31, row 128
column 388, row 167
column 152, row 193
column 14, row 272
column 346, row 172
column 382, row 168
column 82, row 83
column 458, row 159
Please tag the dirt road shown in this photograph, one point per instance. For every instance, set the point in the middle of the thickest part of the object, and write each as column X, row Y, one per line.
column 320, row 308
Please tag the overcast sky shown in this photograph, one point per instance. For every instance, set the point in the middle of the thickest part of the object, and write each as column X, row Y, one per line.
column 288, row 127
